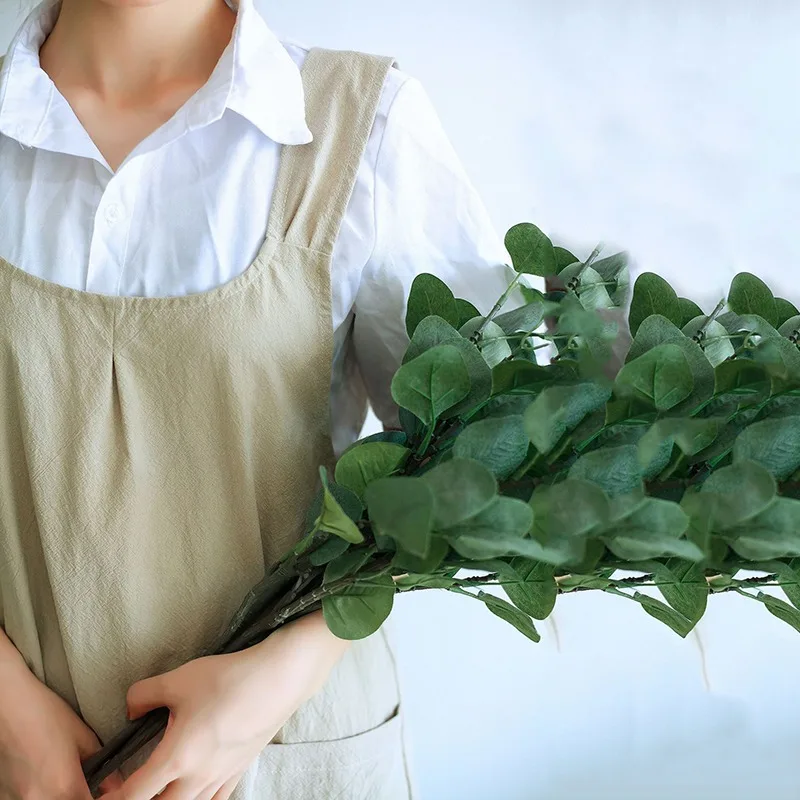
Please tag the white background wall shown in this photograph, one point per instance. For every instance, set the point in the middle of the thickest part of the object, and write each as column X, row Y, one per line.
column 670, row 129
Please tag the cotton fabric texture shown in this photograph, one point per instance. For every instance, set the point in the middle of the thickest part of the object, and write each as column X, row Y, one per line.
column 187, row 210
column 158, row 453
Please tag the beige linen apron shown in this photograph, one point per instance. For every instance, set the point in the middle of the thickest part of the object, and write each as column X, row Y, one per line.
column 158, row 453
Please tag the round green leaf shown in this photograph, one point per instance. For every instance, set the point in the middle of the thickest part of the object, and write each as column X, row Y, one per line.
column 493, row 345
column 790, row 326
column 616, row 470
column 359, row 610
column 530, row 250
column 359, row 466
column 499, row 443
column 661, row 376
column 431, row 383
column 773, row 443
column 462, row 488
column 746, row 489
column 434, row 331
column 652, row 295
column 526, row 318
column 714, row 340
column 784, row 311
column 531, row 587
column 497, row 530
column 558, row 409
column 688, row 311
column 402, row 508
column 428, row 296
column 466, row 312
column 750, row 295
column 564, row 257
column 334, row 520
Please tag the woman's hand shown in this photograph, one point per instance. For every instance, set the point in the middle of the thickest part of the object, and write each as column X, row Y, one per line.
column 42, row 741
column 224, row 710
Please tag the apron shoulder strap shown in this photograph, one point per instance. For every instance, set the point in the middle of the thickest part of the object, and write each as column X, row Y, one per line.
column 316, row 180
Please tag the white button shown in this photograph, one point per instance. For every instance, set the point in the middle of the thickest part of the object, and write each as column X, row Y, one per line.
column 113, row 214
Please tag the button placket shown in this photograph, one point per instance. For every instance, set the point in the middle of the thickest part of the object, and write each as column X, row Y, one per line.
column 108, row 253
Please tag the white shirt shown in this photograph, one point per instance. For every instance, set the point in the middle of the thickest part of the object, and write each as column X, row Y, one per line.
column 187, row 210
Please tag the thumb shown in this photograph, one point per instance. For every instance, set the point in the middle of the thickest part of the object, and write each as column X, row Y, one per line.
column 146, row 695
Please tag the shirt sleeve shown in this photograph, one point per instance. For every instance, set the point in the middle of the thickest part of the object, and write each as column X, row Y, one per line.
column 428, row 218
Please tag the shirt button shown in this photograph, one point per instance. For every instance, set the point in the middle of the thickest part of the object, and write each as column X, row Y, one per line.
column 113, row 214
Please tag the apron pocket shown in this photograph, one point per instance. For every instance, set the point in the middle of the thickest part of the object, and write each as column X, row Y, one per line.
column 368, row 766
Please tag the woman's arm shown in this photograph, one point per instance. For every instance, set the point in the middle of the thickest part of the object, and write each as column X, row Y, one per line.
column 226, row 709
column 428, row 218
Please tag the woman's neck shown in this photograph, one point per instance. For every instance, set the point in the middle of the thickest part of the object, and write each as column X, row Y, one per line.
column 125, row 54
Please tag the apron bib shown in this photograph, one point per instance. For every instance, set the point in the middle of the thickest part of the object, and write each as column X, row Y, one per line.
column 157, row 454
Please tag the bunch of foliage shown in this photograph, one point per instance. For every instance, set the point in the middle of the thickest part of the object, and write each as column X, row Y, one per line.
column 682, row 471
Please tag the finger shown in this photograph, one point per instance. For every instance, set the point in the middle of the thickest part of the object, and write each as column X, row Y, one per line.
column 151, row 778
column 182, row 790
column 85, row 739
column 111, row 784
column 227, row 790
column 146, row 695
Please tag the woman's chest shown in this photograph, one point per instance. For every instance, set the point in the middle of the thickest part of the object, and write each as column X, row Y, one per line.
column 177, row 220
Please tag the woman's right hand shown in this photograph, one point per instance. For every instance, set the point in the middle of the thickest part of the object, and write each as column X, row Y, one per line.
column 42, row 741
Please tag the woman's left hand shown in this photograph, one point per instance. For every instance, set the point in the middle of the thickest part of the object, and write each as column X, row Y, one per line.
column 224, row 710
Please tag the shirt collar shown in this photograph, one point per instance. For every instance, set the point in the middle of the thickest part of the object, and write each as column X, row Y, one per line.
column 255, row 77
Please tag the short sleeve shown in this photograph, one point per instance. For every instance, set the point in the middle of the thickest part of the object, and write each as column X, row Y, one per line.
column 428, row 218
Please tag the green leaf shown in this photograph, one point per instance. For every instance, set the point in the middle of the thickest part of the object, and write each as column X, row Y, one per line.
column 690, row 435
column 746, row 489
column 525, row 377
column 652, row 295
column 493, row 345
column 526, row 318
column 684, row 587
column 434, row 331
column 402, row 508
column 359, row 466
column 359, row 610
column 661, row 376
column 530, row 250
column 663, row 613
column 466, row 312
column 750, row 295
column 462, row 488
column 789, row 326
column 654, row 529
column 431, row 383
column 714, row 339
column 503, row 609
column 389, row 437
column 616, row 470
column 784, row 310
column 782, row 610
column 531, row 586
column 497, row 530
column 558, row 409
column 565, row 514
column 773, row 533
column 326, row 552
column 587, row 285
column 428, row 296
column 657, row 330
column 688, row 311
column 773, row 443
column 564, row 258
column 347, row 564
column 499, row 443
column 612, row 266
column 334, row 520
column 437, row 552
column 742, row 376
